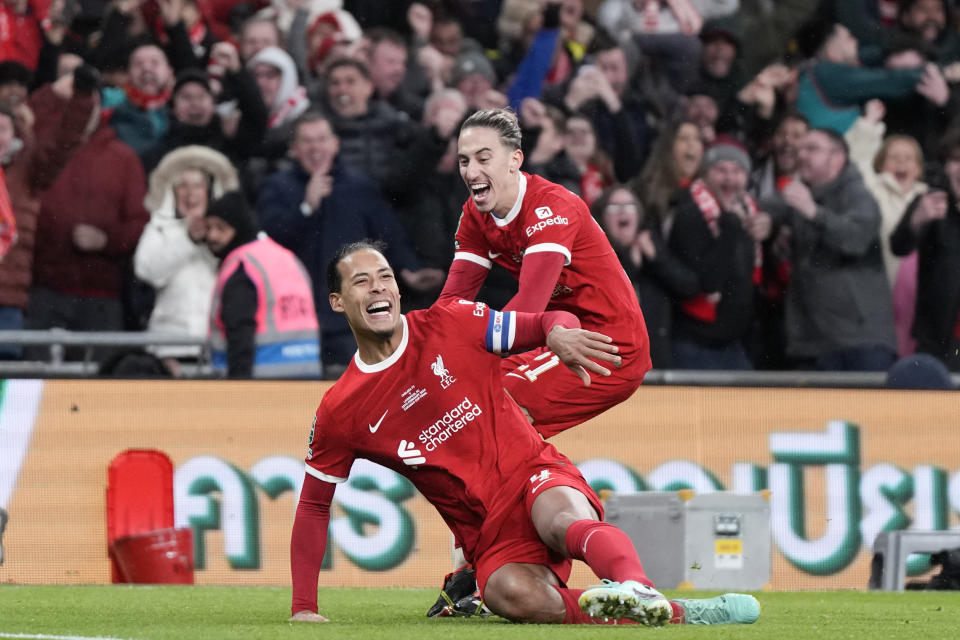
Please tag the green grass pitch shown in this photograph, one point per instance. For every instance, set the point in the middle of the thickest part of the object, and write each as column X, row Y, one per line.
column 212, row 613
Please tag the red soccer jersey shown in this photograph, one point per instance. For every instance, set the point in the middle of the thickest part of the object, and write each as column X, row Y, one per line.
column 436, row 412
column 548, row 217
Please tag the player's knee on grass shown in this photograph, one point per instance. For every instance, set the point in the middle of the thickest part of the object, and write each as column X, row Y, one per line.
column 524, row 593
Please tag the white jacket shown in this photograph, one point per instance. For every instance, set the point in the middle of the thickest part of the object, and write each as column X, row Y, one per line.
column 864, row 139
column 182, row 273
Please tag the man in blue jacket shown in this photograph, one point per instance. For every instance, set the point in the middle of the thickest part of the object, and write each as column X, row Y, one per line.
column 322, row 203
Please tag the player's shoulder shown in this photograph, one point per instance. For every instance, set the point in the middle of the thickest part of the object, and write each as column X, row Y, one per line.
column 544, row 199
column 541, row 189
column 456, row 308
column 342, row 392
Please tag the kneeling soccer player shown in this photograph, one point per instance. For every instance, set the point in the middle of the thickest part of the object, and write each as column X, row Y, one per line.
column 521, row 509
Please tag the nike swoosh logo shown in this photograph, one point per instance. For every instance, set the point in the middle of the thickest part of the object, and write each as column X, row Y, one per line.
column 373, row 428
column 493, row 256
column 534, row 490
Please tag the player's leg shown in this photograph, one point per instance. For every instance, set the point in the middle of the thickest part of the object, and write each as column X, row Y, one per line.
column 555, row 399
column 525, row 593
column 565, row 514
column 568, row 523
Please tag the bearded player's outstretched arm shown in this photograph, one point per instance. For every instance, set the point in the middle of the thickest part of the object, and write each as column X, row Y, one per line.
column 308, row 544
column 578, row 349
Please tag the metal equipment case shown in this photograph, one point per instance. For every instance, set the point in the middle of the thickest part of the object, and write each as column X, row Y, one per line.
column 708, row 541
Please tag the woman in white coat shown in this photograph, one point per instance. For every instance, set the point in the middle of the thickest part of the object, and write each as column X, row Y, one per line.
column 892, row 169
column 172, row 256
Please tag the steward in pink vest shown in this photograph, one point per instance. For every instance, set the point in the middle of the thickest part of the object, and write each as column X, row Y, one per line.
column 262, row 321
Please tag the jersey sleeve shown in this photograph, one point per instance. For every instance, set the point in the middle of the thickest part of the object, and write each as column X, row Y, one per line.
column 328, row 456
column 463, row 281
column 553, row 226
column 308, row 542
column 502, row 332
column 538, row 278
column 477, row 324
column 470, row 243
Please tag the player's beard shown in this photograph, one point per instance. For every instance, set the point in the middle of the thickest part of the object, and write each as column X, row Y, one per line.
column 385, row 334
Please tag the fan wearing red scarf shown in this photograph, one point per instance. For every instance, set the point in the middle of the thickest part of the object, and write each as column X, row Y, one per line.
column 718, row 233
column 138, row 112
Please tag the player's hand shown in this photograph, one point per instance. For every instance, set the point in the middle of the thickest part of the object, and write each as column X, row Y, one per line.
column 306, row 616
column 578, row 349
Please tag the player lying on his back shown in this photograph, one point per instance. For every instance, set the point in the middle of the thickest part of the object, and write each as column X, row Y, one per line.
column 424, row 396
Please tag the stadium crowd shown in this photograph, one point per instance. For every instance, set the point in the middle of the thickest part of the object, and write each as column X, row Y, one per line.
column 780, row 180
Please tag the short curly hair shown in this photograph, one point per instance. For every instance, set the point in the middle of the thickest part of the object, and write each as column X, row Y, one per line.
column 334, row 280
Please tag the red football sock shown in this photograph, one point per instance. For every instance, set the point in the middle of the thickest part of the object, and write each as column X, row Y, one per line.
column 678, row 614
column 606, row 549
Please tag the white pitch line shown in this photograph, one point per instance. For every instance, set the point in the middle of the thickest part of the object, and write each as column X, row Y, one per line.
column 44, row 636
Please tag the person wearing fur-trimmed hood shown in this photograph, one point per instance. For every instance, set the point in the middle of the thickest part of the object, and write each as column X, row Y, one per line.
column 172, row 256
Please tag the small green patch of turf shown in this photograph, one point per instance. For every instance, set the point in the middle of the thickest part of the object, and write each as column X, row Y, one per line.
column 215, row 613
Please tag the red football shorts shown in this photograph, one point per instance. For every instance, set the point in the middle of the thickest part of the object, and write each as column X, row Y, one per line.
column 517, row 540
column 556, row 399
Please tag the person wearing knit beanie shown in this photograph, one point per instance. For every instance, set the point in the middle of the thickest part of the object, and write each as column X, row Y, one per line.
column 230, row 223
column 726, row 148
column 263, row 321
